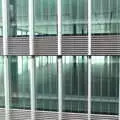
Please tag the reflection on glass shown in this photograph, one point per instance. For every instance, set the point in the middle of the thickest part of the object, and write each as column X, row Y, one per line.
column 45, row 17
column 1, row 28
column 20, row 83
column 46, row 83
column 75, row 83
column 105, row 16
column 2, row 96
column 18, row 17
column 105, row 84
column 74, row 17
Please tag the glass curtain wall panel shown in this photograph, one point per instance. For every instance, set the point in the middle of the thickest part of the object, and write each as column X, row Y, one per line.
column 105, row 84
column 105, row 16
column 2, row 96
column 1, row 28
column 18, row 18
column 75, row 83
column 74, row 17
column 19, row 82
column 45, row 21
column 46, row 83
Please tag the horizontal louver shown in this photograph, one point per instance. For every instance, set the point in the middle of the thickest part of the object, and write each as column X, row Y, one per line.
column 71, row 45
column 18, row 46
column 45, row 45
column 106, row 45
column 19, row 114
column 74, row 45
column 2, row 114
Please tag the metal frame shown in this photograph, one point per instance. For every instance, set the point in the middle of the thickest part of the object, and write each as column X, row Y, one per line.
column 31, row 27
column 5, row 53
column 59, row 60
column 89, row 87
column 32, row 59
column 32, row 86
column 60, row 88
column 89, row 59
column 59, row 27
column 7, row 89
column 5, row 26
column 119, row 91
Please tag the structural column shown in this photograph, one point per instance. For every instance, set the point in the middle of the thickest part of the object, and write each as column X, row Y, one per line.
column 119, row 89
column 5, row 53
column 89, row 59
column 32, row 58
column 59, row 60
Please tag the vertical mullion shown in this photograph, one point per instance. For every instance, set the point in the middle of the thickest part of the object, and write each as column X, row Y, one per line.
column 5, row 53
column 89, row 59
column 6, row 88
column 32, row 86
column 5, row 26
column 59, row 26
column 60, row 88
column 59, row 60
column 89, row 87
column 32, row 58
column 119, row 89
column 89, row 27
column 31, row 27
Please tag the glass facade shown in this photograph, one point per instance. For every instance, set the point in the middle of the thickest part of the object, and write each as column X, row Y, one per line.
column 46, row 83
column 104, row 75
column 2, row 96
column 19, row 82
column 105, row 16
column 105, row 84
column 45, row 17
column 1, row 27
column 74, row 17
column 104, row 70
column 18, row 18
column 75, row 83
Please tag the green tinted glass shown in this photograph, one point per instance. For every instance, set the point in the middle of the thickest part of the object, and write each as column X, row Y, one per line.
column 105, row 84
column 20, row 83
column 75, row 83
column 46, row 83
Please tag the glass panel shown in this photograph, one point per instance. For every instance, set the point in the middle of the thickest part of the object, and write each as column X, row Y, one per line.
column 18, row 10
column 20, row 85
column 1, row 28
column 2, row 96
column 45, row 17
column 105, row 84
column 46, row 83
column 74, row 17
column 105, row 16
column 75, row 83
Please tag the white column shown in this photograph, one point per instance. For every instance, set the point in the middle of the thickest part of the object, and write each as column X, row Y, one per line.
column 89, row 88
column 32, row 59
column 89, row 27
column 5, row 26
column 6, row 88
column 59, row 27
column 89, row 59
column 59, row 60
column 119, row 88
column 32, row 86
column 5, row 53
column 31, row 27
column 60, row 88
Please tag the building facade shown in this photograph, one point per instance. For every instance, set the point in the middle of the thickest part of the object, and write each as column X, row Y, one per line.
column 59, row 59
